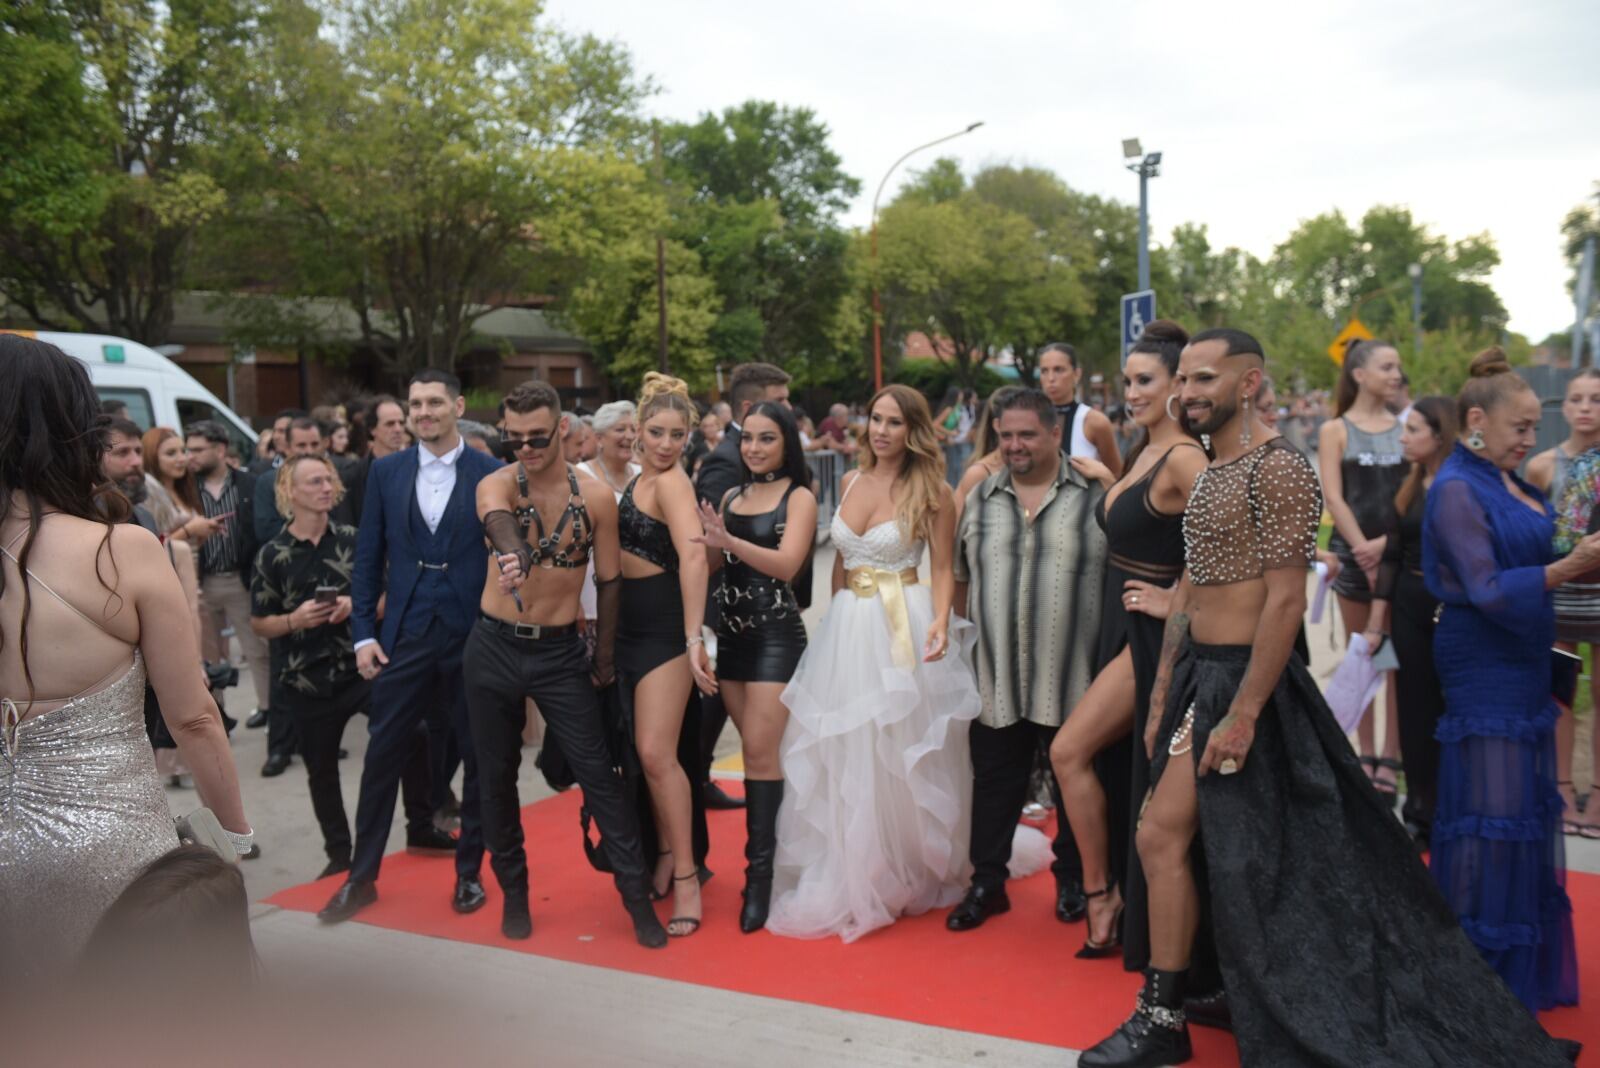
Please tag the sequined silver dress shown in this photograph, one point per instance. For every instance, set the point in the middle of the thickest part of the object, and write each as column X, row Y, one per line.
column 81, row 812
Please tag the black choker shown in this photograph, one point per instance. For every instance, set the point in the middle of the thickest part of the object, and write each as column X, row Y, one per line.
column 770, row 476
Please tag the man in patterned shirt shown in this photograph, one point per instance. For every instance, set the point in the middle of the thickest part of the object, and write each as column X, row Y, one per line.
column 300, row 602
column 1029, row 564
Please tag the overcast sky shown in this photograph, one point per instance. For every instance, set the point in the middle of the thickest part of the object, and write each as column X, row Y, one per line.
column 1478, row 115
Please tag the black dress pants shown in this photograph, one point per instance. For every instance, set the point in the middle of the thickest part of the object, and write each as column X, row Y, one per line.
column 1420, row 697
column 421, row 681
column 1002, row 762
column 320, row 723
column 501, row 672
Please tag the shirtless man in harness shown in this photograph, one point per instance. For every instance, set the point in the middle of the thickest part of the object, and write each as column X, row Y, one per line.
column 543, row 522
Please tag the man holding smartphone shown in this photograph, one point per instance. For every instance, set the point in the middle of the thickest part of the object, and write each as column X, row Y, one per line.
column 300, row 601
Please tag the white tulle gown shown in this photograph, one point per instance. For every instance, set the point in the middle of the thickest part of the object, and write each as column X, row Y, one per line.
column 878, row 796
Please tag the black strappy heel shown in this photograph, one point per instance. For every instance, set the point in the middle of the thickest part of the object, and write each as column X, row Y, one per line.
column 695, row 875
column 1093, row 950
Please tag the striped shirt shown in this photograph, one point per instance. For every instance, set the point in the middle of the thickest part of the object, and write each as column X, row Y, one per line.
column 219, row 555
column 1034, row 591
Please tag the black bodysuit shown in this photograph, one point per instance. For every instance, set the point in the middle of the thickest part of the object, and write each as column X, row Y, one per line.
column 760, row 636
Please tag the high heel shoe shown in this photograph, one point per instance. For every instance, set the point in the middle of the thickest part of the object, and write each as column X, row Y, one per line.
column 693, row 922
column 660, row 895
column 1093, row 950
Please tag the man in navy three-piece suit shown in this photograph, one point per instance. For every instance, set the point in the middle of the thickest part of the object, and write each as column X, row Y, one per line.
column 421, row 546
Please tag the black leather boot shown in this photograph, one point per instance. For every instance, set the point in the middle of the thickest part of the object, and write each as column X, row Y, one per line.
column 1155, row 1035
column 762, row 798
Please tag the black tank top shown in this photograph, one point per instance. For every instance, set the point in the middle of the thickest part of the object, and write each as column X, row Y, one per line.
column 644, row 535
column 1142, row 541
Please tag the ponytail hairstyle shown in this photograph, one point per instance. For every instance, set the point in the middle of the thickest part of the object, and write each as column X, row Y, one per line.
column 1440, row 415
column 1356, row 355
column 922, row 473
column 663, row 393
column 1491, row 383
column 1165, row 340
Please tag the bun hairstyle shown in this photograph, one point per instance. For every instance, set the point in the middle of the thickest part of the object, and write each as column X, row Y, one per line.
column 1165, row 339
column 1490, row 383
column 1356, row 355
column 661, row 392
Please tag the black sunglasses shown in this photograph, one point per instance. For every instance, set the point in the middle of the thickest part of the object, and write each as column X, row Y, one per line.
column 510, row 446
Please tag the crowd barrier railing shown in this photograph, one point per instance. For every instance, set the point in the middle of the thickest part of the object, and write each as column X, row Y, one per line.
column 827, row 468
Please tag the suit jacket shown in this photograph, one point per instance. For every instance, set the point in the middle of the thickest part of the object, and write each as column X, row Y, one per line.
column 387, row 546
column 721, row 470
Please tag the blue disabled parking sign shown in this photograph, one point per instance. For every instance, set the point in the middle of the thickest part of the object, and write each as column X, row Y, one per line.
column 1138, row 311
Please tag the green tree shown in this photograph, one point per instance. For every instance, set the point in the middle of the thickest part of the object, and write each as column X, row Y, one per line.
column 756, row 192
column 116, row 120
column 433, row 160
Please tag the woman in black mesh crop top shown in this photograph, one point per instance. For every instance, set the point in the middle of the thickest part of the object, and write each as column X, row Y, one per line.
column 661, row 655
column 762, row 539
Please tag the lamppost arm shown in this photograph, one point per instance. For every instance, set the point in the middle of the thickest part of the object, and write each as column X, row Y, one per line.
column 896, row 165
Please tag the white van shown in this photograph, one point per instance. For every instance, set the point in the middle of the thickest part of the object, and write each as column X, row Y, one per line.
column 157, row 391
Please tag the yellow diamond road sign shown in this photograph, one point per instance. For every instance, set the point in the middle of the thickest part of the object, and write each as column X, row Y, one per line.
column 1354, row 330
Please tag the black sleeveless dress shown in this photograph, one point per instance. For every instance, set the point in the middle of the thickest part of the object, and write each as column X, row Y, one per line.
column 760, row 635
column 1146, row 545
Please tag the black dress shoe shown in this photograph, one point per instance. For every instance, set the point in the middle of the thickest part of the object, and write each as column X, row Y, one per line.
column 1071, row 903
column 1140, row 1043
column 430, row 841
column 514, row 919
column 348, row 900
column 717, row 799
column 277, row 764
column 980, row 903
column 257, row 720
column 335, row 866
column 469, row 895
column 1209, row 1010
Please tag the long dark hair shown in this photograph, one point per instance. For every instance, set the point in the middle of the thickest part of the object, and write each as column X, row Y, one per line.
column 1163, row 339
column 1440, row 415
column 52, row 437
column 794, row 455
column 1356, row 355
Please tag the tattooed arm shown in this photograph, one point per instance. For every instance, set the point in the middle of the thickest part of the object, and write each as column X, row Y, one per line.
column 1172, row 639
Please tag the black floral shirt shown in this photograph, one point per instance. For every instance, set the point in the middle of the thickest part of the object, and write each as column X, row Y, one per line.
column 314, row 662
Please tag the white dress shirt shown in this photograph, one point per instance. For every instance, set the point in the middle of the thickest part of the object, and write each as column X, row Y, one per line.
column 436, row 480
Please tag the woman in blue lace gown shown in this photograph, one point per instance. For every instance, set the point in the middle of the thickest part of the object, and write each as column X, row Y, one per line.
column 1497, row 848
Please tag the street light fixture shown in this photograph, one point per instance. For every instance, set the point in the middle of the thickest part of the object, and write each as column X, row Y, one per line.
column 1146, row 165
column 877, row 305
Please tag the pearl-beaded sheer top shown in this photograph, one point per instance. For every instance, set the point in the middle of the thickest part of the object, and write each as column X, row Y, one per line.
column 1253, row 514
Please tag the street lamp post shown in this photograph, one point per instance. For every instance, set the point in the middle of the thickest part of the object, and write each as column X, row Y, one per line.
column 877, row 304
column 1146, row 166
column 1415, row 271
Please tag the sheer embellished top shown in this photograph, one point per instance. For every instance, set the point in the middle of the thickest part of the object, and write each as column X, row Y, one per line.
column 644, row 535
column 1140, row 539
column 1253, row 514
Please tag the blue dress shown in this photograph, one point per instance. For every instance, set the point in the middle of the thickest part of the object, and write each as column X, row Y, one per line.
column 1498, row 855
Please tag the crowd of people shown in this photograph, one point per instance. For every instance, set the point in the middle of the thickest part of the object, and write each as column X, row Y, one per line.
column 1025, row 601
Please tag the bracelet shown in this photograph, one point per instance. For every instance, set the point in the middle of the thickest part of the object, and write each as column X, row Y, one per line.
column 242, row 843
column 690, row 643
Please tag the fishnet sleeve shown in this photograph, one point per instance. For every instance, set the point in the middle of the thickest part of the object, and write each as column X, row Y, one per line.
column 1286, row 508
column 505, row 534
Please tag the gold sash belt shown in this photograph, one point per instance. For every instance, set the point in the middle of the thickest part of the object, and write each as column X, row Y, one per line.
column 890, row 585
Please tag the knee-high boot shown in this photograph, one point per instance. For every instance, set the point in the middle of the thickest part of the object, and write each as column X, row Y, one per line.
column 762, row 798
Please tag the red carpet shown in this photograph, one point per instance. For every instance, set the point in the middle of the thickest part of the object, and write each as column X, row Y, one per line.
column 1015, row 978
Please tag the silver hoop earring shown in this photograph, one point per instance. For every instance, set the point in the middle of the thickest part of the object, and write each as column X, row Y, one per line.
column 1475, row 441
column 1244, row 434
column 1170, row 413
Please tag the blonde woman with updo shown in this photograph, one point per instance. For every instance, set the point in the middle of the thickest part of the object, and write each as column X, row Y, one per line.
column 661, row 654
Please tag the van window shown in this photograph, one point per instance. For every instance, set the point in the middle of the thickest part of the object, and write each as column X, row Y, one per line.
column 194, row 411
column 137, row 400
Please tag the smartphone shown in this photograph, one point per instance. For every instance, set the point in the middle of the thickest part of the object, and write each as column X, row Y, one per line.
column 327, row 594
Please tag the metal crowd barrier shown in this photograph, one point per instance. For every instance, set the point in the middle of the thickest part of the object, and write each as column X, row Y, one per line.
column 827, row 468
